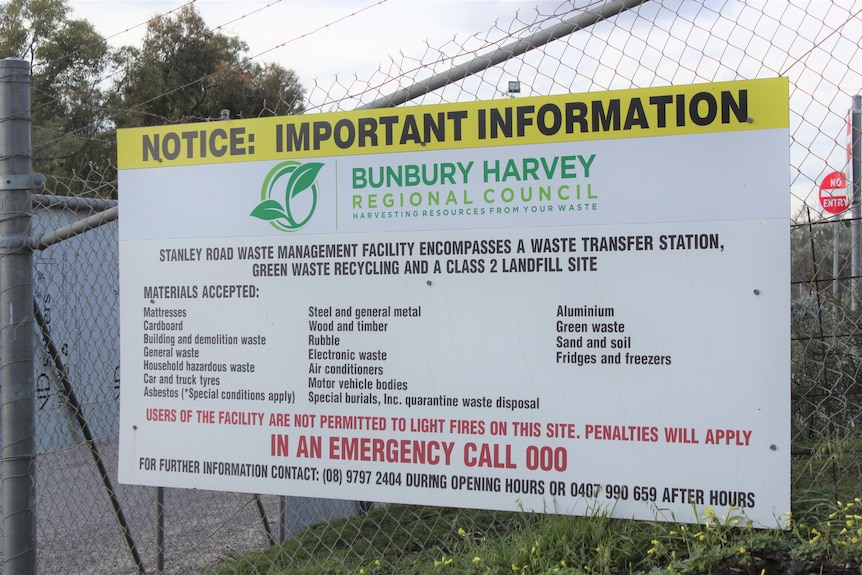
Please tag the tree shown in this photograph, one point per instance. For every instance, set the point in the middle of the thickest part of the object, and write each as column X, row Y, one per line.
column 186, row 72
column 68, row 59
column 183, row 72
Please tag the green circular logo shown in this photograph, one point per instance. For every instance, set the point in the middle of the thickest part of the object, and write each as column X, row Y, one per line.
column 297, row 184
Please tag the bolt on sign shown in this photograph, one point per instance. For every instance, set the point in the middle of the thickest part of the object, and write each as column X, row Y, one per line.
column 571, row 304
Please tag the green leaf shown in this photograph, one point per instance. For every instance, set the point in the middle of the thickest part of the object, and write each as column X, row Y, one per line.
column 302, row 178
column 269, row 210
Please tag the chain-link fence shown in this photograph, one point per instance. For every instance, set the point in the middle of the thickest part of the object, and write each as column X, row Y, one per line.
column 825, row 387
column 87, row 523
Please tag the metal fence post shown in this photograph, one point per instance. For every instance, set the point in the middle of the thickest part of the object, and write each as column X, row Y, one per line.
column 856, row 193
column 18, row 413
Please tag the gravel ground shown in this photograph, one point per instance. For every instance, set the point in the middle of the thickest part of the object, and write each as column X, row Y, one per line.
column 77, row 532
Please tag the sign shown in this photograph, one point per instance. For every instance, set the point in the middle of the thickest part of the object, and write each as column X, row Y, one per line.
column 833, row 193
column 572, row 304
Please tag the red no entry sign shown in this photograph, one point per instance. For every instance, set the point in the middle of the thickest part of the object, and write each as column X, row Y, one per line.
column 833, row 193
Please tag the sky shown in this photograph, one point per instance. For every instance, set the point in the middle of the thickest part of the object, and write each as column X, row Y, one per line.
column 331, row 43
column 315, row 38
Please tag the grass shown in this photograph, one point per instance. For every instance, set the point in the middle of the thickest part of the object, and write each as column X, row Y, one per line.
column 823, row 538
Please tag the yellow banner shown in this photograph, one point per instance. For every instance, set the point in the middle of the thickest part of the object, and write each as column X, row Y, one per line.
column 646, row 112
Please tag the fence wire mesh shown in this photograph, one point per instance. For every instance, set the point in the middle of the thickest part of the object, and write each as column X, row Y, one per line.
column 88, row 523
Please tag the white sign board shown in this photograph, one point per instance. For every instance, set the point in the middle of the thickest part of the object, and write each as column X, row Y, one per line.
column 565, row 304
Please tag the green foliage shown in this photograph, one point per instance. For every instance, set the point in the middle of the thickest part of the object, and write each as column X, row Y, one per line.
column 403, row 540
column 68, row 59
column 838, row 539
column 721, row 544
column 186, row 72
column 82, row 90
column 27, row 24
column 826, row 356
column 393, row 535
